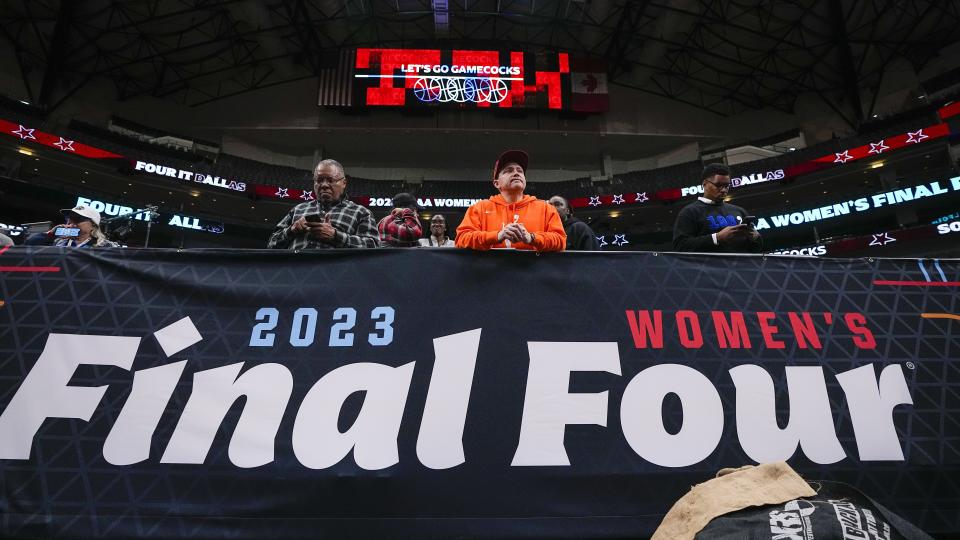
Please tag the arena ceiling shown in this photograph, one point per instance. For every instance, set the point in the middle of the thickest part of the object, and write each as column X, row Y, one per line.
column 724, row 56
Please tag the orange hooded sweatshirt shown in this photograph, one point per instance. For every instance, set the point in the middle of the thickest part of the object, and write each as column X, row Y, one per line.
column 484, row 219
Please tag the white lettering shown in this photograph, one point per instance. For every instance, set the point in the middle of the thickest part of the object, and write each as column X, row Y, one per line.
column 45, row 394
column 549, row 406
column 871, row 409
column 642, row 418
column 440, row 443
column 317, row 440
column 811, row 421
column 129, row 439
column 267, row 389
column 946, row 228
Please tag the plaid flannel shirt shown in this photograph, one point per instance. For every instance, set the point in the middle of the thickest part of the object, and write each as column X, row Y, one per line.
column 403, row 230
column 354, row 224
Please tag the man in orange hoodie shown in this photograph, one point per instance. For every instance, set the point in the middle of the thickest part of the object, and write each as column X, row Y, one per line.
column 512, row 219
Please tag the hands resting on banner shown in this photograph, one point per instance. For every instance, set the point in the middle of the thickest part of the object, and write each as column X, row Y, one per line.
column 515, row 232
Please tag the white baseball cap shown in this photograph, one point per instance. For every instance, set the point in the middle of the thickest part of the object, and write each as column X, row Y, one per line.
column 84, row 211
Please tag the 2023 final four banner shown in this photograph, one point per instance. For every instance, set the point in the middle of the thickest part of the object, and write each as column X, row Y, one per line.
column 225, row 393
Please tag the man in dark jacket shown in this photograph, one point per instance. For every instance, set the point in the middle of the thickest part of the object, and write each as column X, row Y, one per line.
column 710, row 225
column 579, row 235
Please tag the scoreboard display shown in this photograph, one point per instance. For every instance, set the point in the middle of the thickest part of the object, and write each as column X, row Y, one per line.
column 458, row 78
column 455, row 78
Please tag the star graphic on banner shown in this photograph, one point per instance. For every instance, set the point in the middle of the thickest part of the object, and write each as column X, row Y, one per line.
column 642, row 197
column 307, row 195
column 281, row 193
column 594, row 201
column 878, row 148
column 65, row 145
column 882, row 239
column 620, row 240
column 24, row 132
column 843, row 157
column 916, row 136
column 602, row 240
column 618, row 199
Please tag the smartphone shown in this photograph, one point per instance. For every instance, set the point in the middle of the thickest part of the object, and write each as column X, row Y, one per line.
column 313, row 218
column 66, row 231
column 750, row 219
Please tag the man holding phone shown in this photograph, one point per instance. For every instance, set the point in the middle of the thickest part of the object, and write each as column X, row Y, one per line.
column 328, row 221
column 711, row 225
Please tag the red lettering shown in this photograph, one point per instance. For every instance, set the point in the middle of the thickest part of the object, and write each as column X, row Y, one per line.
column 641, row 326
column 862, row 336
column 733, row 334
column 768, row 330
column 688, row 323
column 804, row 331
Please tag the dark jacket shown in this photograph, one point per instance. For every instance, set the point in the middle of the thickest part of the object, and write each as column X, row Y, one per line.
column 699, row 221
column 580, row 236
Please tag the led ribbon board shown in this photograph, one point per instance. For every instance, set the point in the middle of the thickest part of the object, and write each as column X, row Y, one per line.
column 461, row 79
column 108, row 209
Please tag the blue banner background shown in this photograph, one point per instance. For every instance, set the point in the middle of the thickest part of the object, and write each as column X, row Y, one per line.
column 66, row 489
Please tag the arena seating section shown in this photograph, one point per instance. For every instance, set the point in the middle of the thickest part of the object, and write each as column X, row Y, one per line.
column 238, row 168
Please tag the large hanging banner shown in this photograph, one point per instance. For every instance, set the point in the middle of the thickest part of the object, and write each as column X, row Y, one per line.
column 442, row 393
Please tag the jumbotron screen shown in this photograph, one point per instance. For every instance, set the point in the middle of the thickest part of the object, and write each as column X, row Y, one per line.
column 465, row 79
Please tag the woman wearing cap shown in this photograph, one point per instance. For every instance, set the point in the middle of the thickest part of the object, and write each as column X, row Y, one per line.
column 87, row 220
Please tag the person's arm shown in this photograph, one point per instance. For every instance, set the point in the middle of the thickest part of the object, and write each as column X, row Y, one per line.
column 756, row 242
column 685, row 236
column 553, row 237
column 366, row 237
column 407, row 226
column 470, row 233
column 281, row 237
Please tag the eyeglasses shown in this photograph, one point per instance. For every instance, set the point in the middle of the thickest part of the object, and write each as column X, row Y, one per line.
column 721, row 187
column 327, row 180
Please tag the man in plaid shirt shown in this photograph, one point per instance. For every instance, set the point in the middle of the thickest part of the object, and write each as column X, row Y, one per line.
column 330, row 220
